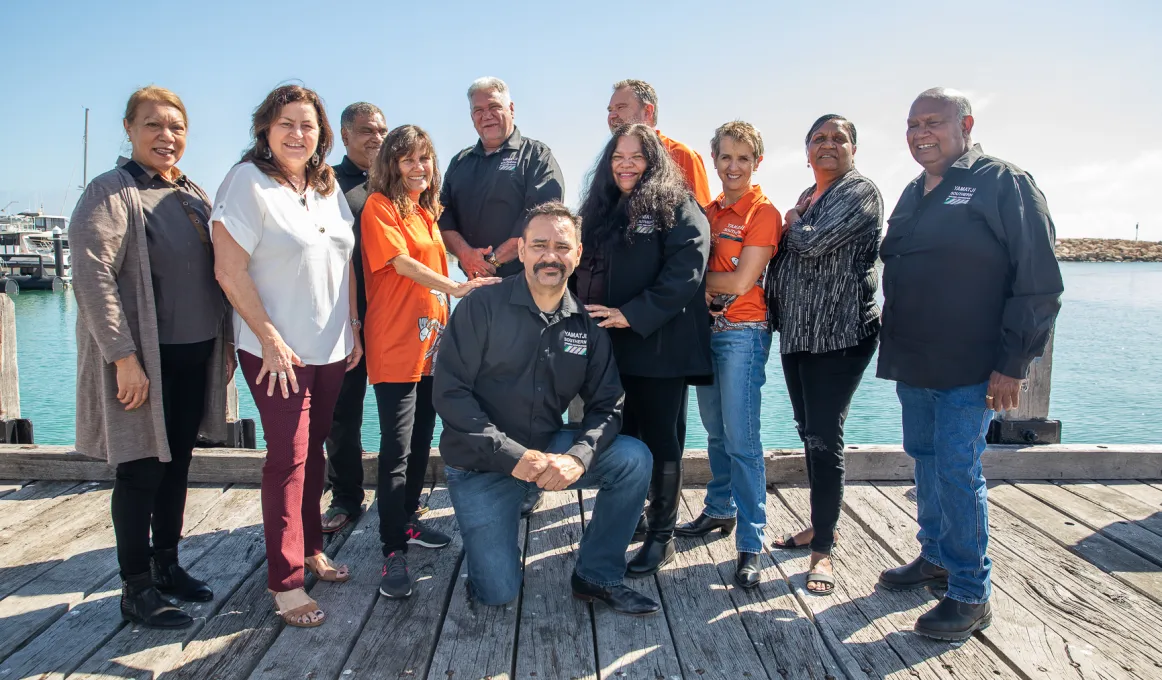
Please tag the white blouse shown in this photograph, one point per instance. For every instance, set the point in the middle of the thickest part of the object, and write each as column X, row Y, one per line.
column 299, row 261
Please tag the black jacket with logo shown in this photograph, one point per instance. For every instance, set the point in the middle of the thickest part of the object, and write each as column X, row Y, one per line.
column 657, row 279
column 352, row 181
column 971, row 282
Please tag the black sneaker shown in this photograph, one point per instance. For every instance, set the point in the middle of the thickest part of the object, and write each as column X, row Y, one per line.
column 396, row 582
column 425, row 536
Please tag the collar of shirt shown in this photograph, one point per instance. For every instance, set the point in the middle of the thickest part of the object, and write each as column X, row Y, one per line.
column 971, row 156
column 744, row 203
column 347, row 167
column 523, row 297
column 513, row 142
column 151, row 174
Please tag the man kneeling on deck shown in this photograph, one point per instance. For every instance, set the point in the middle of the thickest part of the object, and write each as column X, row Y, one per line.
column 512, row 358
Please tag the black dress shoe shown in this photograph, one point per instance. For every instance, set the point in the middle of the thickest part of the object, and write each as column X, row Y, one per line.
column 919, row 573
column 142, row 604
column 954, row 620
column 747, row 573
column 532, row 501
column 704, row 524
column 171, row 579
column 642, row 528
column 619, row 598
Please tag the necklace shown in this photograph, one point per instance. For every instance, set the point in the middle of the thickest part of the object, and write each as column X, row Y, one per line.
column 302, row 195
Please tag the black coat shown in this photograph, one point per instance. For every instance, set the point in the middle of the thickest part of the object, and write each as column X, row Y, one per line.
column 657, row 280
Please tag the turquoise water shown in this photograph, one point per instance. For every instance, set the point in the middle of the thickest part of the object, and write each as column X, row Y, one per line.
column 1107, row 368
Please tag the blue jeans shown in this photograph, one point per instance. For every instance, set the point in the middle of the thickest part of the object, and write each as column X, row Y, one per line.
column 730, row 411
column 487, row 506
column 944, row 432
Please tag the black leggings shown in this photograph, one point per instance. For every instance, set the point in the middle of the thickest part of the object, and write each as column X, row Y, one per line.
column 407, row 419
column 148, row 493
column 655, row 413
column 821, row 387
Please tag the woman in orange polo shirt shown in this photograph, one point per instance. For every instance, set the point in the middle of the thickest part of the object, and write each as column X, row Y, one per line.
column 406, row 269
column 744, row 232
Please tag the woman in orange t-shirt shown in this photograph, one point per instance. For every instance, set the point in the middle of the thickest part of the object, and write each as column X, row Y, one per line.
column 744, row 232
column 406, row 269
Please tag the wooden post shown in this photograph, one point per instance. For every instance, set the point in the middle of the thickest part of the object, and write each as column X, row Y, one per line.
column 9, row 373
column 1029, row 423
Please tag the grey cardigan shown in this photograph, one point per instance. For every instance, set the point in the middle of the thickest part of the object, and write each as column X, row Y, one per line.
column 116, row 316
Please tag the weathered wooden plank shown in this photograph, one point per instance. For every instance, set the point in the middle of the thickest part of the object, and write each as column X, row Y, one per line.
column 477, row 642
column 555, row 638
column 400, row 636
column 631, row 647
column 1124, row 532
column 783, row 634
column 708, row 633
column 858, row 560
column 76, row 604
column 1101, row 633
column 34, row 498
column 1146, row 515
column 1128, row 567
column 234, row 548
column 1136, row 488
column 7, row 487
column 233, row 640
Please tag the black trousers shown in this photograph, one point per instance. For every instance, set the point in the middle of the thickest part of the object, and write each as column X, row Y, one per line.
column 821, row 387
column 655, row 413
column 345, row 444
column 407, row 420
column 148, row 493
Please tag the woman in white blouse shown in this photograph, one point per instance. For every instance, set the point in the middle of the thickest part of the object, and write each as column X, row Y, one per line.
column 283, row 238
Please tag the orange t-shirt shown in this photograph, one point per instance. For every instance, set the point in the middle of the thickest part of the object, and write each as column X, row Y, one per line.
column 405, row 321
column 692, row 167
column 750, row 221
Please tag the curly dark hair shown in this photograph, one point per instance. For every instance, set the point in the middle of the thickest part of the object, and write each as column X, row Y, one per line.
column 385, row 177
column 320, row 176
column 661, row 189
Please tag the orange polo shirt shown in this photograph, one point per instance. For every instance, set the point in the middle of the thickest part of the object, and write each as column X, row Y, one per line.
column 751, row 221
column 404, row 321
column 692, row 167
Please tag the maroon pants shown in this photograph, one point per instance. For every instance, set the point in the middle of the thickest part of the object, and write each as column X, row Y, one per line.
column 293, row 474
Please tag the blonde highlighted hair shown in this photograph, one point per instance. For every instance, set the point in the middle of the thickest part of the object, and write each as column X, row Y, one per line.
column 153, row 93
column 739, row 131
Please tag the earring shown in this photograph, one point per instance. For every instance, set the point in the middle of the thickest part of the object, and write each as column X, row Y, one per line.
column 315, row 159
column 266, row 153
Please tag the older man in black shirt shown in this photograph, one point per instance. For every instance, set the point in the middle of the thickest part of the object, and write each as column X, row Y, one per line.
column 363, row 129
column 490, row 187
column 971, row 288
column 512, row 358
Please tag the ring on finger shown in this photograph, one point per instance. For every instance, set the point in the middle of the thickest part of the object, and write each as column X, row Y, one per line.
column 282, row 375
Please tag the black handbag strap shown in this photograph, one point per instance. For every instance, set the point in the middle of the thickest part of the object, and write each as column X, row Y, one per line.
column 135, row 169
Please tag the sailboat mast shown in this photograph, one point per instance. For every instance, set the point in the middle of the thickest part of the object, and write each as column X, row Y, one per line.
column 85, row 162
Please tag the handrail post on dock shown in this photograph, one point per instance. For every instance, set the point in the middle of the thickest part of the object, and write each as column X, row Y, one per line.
column 13, row 428
column 1029, row 423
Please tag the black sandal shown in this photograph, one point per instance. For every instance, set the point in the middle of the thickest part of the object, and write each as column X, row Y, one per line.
column 788, row 543
column 823, row 578
column 333, row 512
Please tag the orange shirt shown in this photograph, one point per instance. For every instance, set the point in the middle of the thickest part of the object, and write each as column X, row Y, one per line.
column 750, row 221
column 692, row 167
column 404, row 321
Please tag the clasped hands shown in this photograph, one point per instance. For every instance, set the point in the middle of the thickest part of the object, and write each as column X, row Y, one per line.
column 550, row 471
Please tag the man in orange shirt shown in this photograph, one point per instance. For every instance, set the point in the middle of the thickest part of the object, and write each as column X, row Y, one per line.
column 636, row 101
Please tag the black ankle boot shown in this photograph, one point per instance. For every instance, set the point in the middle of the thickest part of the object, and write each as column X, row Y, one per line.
column 704, row 524
column 747, row 573
column 643, row 528
column 171, row 579
column 954, row 620
column 142, row 604
column 658, row 549
column 918, row 573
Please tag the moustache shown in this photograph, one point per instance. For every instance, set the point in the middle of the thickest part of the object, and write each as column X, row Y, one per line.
column 538, row 268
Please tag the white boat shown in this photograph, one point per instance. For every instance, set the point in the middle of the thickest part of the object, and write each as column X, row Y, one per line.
column 26, row 244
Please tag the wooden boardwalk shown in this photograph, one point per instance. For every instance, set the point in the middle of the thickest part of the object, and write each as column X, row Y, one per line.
column 1077, row 594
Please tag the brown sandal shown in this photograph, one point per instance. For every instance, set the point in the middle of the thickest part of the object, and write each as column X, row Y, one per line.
column 297, row 609
column 326, row 570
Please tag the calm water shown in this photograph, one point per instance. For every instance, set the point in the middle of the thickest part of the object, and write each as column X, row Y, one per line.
column 1107, row 370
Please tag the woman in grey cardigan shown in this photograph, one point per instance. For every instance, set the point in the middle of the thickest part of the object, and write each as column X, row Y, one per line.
column 152, row 348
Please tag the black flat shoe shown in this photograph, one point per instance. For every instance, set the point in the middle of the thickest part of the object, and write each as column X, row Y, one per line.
column 143, row 605
column 619, row 598
column 954, row 620
column 532, row 501
column 171, row 579
column 748, row 572
column 642, row 528
column 917, row 574
column 704, row 524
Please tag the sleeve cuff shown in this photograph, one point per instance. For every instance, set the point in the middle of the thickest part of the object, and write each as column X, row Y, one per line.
column 1014, row 367
column 583, row 453
column 511, row 452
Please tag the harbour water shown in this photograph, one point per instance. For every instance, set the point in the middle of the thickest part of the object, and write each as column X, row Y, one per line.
column 1107, row 368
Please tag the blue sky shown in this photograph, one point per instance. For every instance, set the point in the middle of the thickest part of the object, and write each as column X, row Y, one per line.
column 1068, row 90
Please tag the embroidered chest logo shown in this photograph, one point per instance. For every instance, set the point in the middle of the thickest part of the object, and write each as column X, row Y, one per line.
column 645, row 225
column 960, row 195
column 509, row 163
column 575, row 343
column 733, row 232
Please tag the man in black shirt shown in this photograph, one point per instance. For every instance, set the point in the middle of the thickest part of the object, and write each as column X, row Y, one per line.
column 490, row 187
column 971, row 291
column 363, row 129
column 512, row 358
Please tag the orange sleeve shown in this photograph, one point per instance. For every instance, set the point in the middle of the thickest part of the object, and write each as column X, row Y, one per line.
column 381, row 232
column 765, row 228
column 695, row 171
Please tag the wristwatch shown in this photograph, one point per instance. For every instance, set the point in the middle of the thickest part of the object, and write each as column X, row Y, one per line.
column 492, row 260
column 356, row 324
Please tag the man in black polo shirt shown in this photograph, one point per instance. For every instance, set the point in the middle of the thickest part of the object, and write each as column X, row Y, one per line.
column 490, row 187
column 363, row 129
column 971, row 290
column 512, row 358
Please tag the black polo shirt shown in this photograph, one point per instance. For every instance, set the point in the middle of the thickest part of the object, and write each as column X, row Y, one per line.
column 506, row 371
column 971, row 283
column 353, row 182
column 487, row 195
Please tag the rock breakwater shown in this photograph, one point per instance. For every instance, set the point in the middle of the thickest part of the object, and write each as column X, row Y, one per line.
column 1108, row 250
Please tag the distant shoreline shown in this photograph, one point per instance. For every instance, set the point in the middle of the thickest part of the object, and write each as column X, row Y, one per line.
column 1108, row 250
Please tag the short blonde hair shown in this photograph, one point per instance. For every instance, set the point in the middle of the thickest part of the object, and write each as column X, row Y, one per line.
column 153, row 93
column 739, row 131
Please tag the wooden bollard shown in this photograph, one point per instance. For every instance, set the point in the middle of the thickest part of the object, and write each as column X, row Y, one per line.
column 13, row 428
column 1029, row 423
